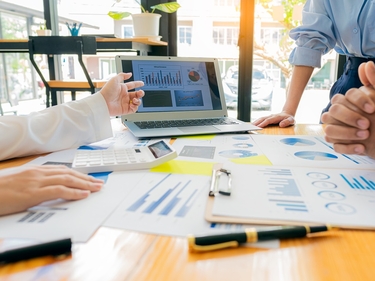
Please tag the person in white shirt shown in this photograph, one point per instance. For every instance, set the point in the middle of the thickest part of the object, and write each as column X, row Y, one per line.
column 64, row 126
column 350, row 122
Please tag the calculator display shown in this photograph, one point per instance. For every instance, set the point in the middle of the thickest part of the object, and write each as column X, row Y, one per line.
column 159, row 149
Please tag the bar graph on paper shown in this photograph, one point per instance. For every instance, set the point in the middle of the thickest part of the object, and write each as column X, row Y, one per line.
column 166, row 204
column 283, row 192
column 359, row 183
column 166, row 197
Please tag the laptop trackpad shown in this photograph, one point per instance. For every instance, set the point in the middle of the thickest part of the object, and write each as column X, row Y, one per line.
column 199, row 129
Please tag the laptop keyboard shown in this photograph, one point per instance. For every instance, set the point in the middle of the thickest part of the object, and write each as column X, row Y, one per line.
column 184, row 123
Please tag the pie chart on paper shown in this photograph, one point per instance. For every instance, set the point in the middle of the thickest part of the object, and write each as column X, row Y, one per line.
column 236, row 153
column 297, row 142
column 315, row 155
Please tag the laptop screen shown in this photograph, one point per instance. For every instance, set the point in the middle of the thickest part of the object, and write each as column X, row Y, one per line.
column 175, row 85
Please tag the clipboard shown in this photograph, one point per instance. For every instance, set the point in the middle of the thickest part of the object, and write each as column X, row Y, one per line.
column 225, row 219
column 215, row 190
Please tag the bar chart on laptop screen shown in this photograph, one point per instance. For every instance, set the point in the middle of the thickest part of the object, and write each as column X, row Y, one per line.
column 161, row 76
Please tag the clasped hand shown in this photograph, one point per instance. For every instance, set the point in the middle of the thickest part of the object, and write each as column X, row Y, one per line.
column 350, row 122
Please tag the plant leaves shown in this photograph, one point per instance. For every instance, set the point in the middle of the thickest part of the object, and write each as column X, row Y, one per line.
column 169, row 7
column 118, row 15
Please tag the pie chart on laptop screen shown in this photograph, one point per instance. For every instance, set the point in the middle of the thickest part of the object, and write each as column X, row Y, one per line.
column 315, row 155
column 194, row 76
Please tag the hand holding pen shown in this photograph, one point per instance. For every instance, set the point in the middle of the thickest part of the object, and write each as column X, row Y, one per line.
column 251, row 235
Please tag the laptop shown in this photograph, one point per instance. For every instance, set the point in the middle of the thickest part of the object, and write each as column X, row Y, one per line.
column 183, row 96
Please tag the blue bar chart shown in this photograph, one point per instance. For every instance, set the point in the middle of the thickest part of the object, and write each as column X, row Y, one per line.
column 359, row 183
column 153, row 77
column 166, row 198
column 283, row 187
column 277, row 172
column 169, row 204
column 282, row 190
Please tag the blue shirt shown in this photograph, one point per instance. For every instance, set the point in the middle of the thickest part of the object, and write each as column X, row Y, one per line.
column 347, row 26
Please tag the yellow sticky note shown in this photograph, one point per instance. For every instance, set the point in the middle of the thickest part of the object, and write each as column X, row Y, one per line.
column 185, row 167
column 199, row 137
column 253, row 160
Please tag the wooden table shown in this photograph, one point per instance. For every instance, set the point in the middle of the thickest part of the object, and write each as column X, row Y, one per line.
column 113, row 254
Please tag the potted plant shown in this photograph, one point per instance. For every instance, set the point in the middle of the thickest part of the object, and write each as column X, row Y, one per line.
column 146, row 23
column 43, row 31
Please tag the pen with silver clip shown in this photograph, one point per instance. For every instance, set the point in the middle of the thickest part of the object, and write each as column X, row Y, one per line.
column 250, row 235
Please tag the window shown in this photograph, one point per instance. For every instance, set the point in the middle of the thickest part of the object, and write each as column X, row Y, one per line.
column 225, row 35
column 271, row 36
column 226, row 3
column 184, row 34
column 127, row 31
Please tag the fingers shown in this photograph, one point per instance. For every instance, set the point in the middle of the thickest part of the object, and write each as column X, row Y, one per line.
column 124, row 76
column 134, row 84
column 363, row 98
column 61, row 192
column 131, row 84
column 281, row 119
column 287, row 122
column 62, row 182
column 358, row 149
column 337, row 133
column 366, row 72
column 52, row 170
column 340, row 114
column 370, row 71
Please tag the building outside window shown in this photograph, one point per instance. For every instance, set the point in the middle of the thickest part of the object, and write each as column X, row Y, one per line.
column 184, row 34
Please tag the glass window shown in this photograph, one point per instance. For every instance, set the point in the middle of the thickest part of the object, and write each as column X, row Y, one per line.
column 127, row 31
column 184, row 35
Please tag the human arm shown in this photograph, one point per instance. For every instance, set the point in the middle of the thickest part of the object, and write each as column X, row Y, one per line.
column 44, row 183
column 350, row 122
column 299, row 80
column 69, row 124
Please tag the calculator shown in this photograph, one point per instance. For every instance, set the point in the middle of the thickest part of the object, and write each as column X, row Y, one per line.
column 123, row 159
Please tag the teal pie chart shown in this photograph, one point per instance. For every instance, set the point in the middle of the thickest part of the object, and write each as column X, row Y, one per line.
column 297, row 142
column 315, row 155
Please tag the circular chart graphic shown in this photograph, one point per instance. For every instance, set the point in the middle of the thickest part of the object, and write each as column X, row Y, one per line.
column 243, row 145
column 315, row 155
column 240, row 138
column 297, row 142
column 236, row 153
column 341, row 209
column 318, row 176
column 194, row 76
column 331, row 195
column 324, row 184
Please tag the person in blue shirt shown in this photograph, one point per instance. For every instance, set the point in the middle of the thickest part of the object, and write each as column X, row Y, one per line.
column 350, row 121
column 346, row 26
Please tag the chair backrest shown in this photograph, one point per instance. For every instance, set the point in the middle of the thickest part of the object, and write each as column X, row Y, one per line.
column 62, row 45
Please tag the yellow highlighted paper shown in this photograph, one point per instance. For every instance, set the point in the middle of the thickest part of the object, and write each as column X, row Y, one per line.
column 185, row 167
column 199, row 137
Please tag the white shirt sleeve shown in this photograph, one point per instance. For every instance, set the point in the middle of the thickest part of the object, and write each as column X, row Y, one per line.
column 64, row 126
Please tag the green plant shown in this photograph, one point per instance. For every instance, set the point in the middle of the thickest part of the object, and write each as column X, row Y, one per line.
column 43, row 26
column 169, row 7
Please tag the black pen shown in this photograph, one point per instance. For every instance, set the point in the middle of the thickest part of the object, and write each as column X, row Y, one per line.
column 54, row 248
column 250, row 235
